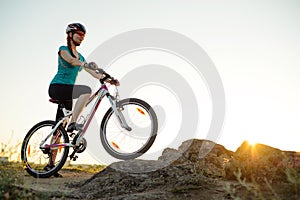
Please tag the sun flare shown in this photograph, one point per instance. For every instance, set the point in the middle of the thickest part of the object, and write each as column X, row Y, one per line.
column 251, row 143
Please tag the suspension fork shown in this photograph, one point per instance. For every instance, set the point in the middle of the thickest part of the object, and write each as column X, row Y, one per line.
column 118, row 113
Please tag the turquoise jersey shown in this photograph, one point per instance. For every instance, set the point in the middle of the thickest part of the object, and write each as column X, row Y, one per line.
column 66, row 73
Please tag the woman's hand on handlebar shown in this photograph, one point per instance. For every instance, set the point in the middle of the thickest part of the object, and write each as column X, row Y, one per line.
column 107, row 78
column 114, row 82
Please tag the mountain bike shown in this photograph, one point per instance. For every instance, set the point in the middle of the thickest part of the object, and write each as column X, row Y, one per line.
column 128, row 129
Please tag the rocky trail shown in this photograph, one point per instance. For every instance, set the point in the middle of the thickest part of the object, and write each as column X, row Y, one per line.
column 198, row 169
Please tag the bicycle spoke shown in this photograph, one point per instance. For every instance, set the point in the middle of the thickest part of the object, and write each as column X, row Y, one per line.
column 125, row 144
column 36, row 158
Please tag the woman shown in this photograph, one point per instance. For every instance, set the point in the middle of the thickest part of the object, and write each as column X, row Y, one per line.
column 63, row 87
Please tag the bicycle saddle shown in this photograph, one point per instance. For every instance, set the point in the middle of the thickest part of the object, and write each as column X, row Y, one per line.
column 54, row 101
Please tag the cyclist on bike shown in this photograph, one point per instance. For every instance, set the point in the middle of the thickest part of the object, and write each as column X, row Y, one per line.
column 62, row 86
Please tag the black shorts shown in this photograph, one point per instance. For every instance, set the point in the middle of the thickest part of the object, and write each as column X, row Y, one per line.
column 66, row 93
column 63, row 92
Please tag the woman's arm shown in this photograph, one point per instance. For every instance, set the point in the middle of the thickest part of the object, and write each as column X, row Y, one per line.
column 75, row 62
column 91, row 67
column 67, row 57
column 93, row 73
column 101, row 74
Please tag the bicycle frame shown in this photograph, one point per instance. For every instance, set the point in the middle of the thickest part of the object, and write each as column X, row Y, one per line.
column 100, row 94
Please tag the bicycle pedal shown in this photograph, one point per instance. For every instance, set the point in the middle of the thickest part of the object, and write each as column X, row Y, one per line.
column 72, row 135
column 74, row 158
column 46, row 150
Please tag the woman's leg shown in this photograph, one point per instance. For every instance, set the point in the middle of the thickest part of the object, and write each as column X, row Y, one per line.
column 83, row 94
column 80, row 104
column 68, row 92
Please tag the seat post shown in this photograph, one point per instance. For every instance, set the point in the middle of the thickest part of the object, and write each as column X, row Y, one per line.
column 60, row 112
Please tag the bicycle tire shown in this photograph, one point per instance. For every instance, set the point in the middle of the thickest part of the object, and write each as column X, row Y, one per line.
column 29, row 147
column 140, row 106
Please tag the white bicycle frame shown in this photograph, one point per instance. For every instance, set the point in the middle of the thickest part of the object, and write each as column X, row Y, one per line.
column 103, row 91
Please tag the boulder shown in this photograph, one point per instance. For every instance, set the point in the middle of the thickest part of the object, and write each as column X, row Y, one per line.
column 260, row 162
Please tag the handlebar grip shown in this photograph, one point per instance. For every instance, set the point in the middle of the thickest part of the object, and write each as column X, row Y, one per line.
column 106, row 76
column 113, row 81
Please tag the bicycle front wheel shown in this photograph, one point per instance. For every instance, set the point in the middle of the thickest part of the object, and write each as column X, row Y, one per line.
column 128, row 144
column 36, row 159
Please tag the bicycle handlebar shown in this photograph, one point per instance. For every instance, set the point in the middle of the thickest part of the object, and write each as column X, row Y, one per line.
column 106, row 76
column 112, row 81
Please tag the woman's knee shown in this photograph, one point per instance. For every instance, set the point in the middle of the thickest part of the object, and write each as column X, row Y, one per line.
column 81, row 90
column 88, row 90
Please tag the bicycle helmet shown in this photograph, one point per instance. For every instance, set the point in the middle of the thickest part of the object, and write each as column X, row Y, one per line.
column 75, row 27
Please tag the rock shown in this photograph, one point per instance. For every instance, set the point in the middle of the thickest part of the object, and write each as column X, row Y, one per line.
column 169, row 155
column 135, row 166
column 208, row 157
column 176, row 171
column 260, row 162
column 198, row 169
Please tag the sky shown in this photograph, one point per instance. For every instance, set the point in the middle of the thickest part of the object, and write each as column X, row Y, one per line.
column 254, row 45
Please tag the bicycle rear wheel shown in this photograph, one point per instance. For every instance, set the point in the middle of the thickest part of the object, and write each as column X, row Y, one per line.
column 36, row 159
column 124, row 144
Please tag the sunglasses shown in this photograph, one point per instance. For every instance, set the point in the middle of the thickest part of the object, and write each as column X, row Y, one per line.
column 82, row 34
